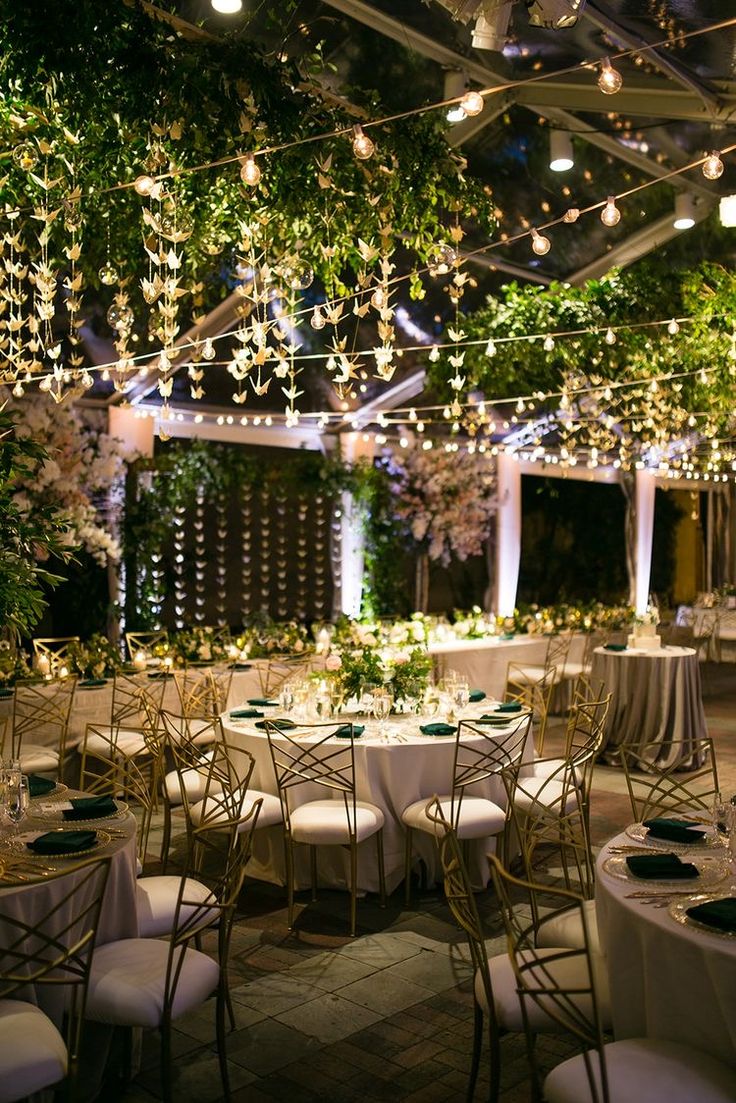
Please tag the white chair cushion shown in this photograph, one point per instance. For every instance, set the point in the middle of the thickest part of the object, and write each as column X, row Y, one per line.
column 646, row 1069
column 325, row 821
column 535, row 794
column 570, row 972
column 528, row 675
column 128, row 982
column 269, row 815
column 566, row 929
column 155, row 901
column 32, row 1052
column 128, row 744
column 545, row 767
column 478, row 817
column 35, row 759
column 194, row 784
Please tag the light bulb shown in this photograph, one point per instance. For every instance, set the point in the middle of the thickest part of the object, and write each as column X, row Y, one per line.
column 673, row 328
column 250, row 172
column 540, row 243
column 572, row 214
column 472, row 103
column 227, row 7
column 363, row 147
column 379, row 298
column 610, row 215
column 610, row 337
column 208, row 350
column 144, row 185
column 713, row 166
column 490, row 347
column 434, row 354
column 549, row 343
column 609, row 80
column 317, row 321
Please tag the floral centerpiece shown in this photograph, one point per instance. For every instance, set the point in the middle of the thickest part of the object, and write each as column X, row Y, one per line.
column 405, row 672
column 14, row 665
column 93, row 658
column 270, row 638
column 199, row 645
column 475, row 625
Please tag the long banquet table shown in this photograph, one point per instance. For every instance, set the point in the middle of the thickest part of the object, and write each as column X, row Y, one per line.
column 667, row 979
column 484, row 661
column 390, row 775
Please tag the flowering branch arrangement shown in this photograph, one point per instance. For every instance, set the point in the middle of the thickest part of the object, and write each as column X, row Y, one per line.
column 405, row 672
column 93, row 658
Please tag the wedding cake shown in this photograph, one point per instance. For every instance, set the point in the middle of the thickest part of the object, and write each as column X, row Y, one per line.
column 645, row 637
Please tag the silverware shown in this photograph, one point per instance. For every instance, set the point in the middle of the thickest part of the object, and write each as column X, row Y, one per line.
column 654, row 895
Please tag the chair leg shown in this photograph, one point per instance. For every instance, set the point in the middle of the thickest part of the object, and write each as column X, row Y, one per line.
column 289, row 871
column 407, row 867
column 222, row 999
column 353, row 886
column 381, row 868
column 477, row 1047
column 165, row 1031
column 313, row 871
column 166, row 840
column 495, row 1072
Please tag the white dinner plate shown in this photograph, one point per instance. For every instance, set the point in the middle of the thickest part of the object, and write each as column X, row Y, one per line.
column 711, row 872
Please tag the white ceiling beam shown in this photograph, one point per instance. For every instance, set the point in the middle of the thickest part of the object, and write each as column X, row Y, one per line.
column 395, row 396
column 270, row 436
column 648, row 97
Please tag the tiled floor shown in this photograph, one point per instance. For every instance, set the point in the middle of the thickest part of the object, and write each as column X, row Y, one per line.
column 385, row 1016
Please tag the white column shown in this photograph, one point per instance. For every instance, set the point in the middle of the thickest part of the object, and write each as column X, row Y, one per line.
column 508, row 534
column 645, row 487
column 353, row 448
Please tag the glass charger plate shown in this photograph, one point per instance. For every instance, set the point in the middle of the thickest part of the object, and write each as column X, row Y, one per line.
column 640, row 834
column 678, row 911
column 711, row 872
column 102, row 840
column 57, row 815
column 52, row 794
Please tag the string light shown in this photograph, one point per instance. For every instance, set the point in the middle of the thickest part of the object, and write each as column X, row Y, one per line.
column 610, row 215
column 549, row 343
column 317, row 320
column 250, row 173
column 363, row 147
column 673, row 328
column 609, row 79
column 572, row 214
column 610, row 337
column 144, row 185
column 540, row 243
column 713, row 166
column 490, row 347
column 434, row 354
column 472, row 103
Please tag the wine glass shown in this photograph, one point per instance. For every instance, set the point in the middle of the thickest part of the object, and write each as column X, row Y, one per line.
column 462, row 696
column 17, row 800
column 286, row 696
column 381, row 707
column 721, row 812
column 367, row 691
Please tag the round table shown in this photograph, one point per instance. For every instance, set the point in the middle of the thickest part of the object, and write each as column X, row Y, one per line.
column 666, row 980
column 657, row 707
column 390, row 775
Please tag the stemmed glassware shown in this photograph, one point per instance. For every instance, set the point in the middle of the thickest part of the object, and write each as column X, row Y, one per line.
column 724, row 826
column 16, row 801
column 382, row 704
column 461, row 696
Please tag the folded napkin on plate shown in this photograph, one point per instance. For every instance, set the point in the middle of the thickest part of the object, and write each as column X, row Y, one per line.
column 493, row 718
column 665, row 867
column 90, row 808
column 477, row 695
column 720, row 914
column 241, row 666
column 244, row 714
column 438, row 728
column 261, row 701
column 63, row 842
column 6, row 691
column 39, row 786
column 509, row 706
column 675, row 831
column 614, row 646
column 160, row 674
column 343, row 732
column 282, row 725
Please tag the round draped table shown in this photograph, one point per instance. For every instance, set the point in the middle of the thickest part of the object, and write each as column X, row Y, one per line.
column 390, row 775
column 657, row 707
column 667, row 980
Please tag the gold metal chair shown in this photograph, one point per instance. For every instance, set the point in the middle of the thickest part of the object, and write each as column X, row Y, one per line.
column 275, row 672
column 151, row 982
column 533, row 692
column 654, row 791
column 144, row 641
column 54, row 649
column 343, row 821
column 480, row 754
column 569, row 988
column 42, row 710
column 53, row 950
column 203, row 693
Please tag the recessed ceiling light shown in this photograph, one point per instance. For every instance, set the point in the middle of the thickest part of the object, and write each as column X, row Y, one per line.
column 227, row 7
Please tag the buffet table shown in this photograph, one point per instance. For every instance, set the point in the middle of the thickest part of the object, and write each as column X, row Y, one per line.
column 656, row 708
column 391, row 775
column 667, row 979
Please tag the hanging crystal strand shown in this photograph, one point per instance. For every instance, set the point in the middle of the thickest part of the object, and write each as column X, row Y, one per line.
column 336, row 557
column 265, row 602
column 220, row 556
column 199, row 557
column 320, row 558
column 282, row 607
column 246, row 548
column 180, row 593
column 300, row 609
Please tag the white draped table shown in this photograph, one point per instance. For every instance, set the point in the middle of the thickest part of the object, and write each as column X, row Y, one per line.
column 389, row 775
column 484, row 662
column 657, row 706
column 666, row 980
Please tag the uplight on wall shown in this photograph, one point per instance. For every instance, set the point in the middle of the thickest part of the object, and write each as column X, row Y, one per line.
column 454, row 88
column 684, row 211
column 727, row 210
column 560, row 151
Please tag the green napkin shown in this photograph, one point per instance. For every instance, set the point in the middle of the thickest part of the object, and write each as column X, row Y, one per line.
column 88, row 683
column 39, row 786
column 6, row 691
column 676, row 831
column 160, row 674
column 90, row 808
column 614, row 646
column 343, row 732
column 244, row 714
column 282, row 725
column 241, row 666
column 63, row 842
column 437, row 728
column 509, row 706
column 664, row 867
column 720, row 914
column 507, row 635
column 261, row 701
column 477, row 695
column 497, row 721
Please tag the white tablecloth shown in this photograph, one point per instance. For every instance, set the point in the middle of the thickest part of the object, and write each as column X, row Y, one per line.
column 667, row 980
column 657, row 707
column 390, row 776
column 484, row 662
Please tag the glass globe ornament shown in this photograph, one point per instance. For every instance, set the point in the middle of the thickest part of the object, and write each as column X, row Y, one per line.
column 472, row 103
column 176, row 224
column 441, row 260
column 120, row 317
column 25, row 156
column 72, row 215
column 299, row 275
column 108, row 274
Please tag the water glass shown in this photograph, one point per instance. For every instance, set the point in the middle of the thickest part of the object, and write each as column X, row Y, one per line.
column 381, row 707
column 286, row 696
column 17, row 801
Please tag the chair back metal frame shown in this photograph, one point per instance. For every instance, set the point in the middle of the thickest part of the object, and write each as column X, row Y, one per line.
column 38, row 705
column 655, row 791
